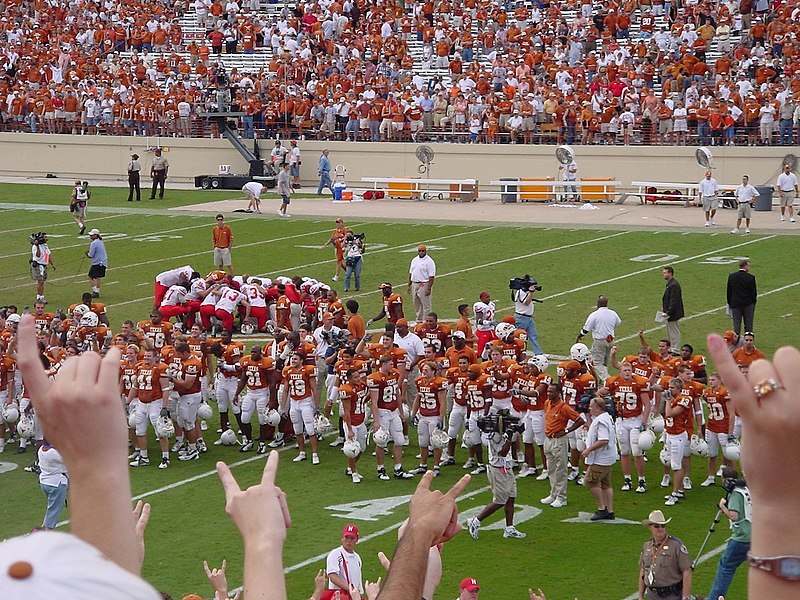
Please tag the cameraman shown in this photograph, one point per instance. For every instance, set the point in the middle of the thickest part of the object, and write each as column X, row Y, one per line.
column 523, row 311
column 501, row 477
column 353, row 258
column 41, row 258
column 78, row 202
column 737, row 507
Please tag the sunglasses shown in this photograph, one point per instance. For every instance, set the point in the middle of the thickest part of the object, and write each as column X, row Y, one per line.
column 657, row 525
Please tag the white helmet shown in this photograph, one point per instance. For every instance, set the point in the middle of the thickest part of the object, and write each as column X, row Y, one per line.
column 247, row 328
column 173, row 369
column 657, row 424
column 351, row 448
column 698, row 446
column 132, row 419
column 665, row 457
column 467, row 439
column 322, row 424
column 646, row 440
column 503, row 330
column 204, row 411
column 13, row 318
column 228, row 438
column 382, row 437
column 273, row 417
column 439, row 439
column 732, row 451
column 26, row 427
column 539, row 361
column 79, row 311
column 579, row 352
column 283, row 279
column 164, row 428
column 11, row 413
column 89, row 320
column 177, row 327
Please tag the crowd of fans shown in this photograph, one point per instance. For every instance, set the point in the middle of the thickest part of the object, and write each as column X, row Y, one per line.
column 649, row 71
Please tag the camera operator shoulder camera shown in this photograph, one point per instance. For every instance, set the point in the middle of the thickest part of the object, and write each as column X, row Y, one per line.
column 501, row 422
column 522, row 289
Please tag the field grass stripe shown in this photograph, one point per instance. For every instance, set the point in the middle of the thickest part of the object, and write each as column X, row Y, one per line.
column 46, row 227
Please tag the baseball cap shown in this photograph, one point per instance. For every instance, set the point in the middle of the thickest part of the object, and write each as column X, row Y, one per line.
column 459, row 334
column 402, row 323
column 51, row 564
column 384, row 285
column 422, row 247
column 470, row 584
column 484, row 295
column 95, row 231
column 327, row 315
column 350, row 530
column 730, row 337
column 572, row 364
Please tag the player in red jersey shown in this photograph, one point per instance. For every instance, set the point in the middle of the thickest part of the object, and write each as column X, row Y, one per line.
column 354, row 395
column 258, row 376
column 719, row 427
column 457, row 377
column 429, row 408
column 300, row 398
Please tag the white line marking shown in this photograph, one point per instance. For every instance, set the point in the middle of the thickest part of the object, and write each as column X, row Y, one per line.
column 633, row 308
column 560, row 305
column 63, row 224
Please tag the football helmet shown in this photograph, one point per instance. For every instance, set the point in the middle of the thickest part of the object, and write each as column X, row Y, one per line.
column 351, row 448
column 273, row 417
column 11, row 413
column 467, row 439
column 79, row 311
column 503, row 330
column 646, row 440
column 322, row 424
column 579, row 352
column 382, row 437
column 89, row 320
column 164, row 428
column 657, row 424
column 26, row 427
column 665, row 457
column 262, row 417
column 228, row 438
column 204, row 411
column 132, row 419
column 247, row 328
column 284, row 280
column 539, row 361
column 13, row 319
column 439, row 439
column 732, row 451
column 698, row 446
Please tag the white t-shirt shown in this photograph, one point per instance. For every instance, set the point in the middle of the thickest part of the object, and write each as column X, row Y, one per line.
column 602, row 428
column 53, row 471
column 169, row 278
column 337, row 559
column 254, row 188
column 412, row 344
column 422, row 269
column 787, row 183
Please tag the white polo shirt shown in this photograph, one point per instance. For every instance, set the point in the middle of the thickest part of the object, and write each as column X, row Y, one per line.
column 422, row 269
column 601, row 323
column 708, row 187
column 602, row 428
column 412, row 344
column 346, row 565
column 787, row 183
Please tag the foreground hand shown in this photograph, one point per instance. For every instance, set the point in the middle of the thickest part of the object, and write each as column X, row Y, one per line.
column 141, row 515
column 537, row 595
column 372, row 589
column 217, row 577
column 436, row 513
column 260, row 512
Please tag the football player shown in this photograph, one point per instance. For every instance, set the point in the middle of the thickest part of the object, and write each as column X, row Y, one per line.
column 169, row 278
column 428, row 410
column 668, row 360
column 479, row 394
column 186, row 382
column 457, row 350
column 258, row 375
column 228, row 355
column 498, row 369
column 696, row 361
column 127, row 376
column 159, row 332
column 151, row 389
column 7, row 369
column 577, row 382
column 434, row 334
column 353, row 394
column 719, row 428
column 392, row 305
column 531, row 384
column 228, row 299
column 484, row 311
column 457, row 377
column 384, row 395
column 300, row 399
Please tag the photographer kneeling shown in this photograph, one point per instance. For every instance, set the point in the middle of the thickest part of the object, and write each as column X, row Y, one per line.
column 353, row 258
column 737, row 507
column 501, row 431
column 522, row 289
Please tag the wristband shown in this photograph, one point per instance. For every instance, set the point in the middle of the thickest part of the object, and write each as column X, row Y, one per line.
column 783, row 567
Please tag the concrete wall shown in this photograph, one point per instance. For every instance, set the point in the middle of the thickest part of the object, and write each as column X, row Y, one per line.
column 104, row 157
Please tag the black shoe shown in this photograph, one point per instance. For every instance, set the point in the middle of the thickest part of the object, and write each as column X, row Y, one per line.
column 131, row 200
column 34, row 468
column 152, row 198
column 83, row 230
column 21, row 450
column 599, row 515
column 95, row 294
column 610, row 517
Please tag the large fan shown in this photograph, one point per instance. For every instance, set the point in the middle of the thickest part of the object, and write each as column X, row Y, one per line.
column 425, row 156
column 704, row 158
column 565, row 154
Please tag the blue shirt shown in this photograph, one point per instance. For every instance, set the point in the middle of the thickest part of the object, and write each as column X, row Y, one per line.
column 97, row 252
column 324, row 164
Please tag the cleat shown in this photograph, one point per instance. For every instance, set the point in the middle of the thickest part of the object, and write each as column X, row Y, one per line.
column 420, row 470
column 176, row 447
column 141, row 462
column 400, row 474
column 164, row 464
column 687, row 483
column 665, row 481
column 337, row 442
column 314, row 459
column 446, row 462
column 627, row 486
column 219, row 430
column 543, row 475
column 472, row 526
column 599, row 515
column 436, row 471
column 469, row 464
column 201, row 446
column 21, row 450
column 356, row 478
column 277, row 442
column 478, row 470
column 348, row 472
column 581, row 478
column 262, row 448
column 83, row 230
column 709, row 481
column 558, row 503
column 513, row 532
column 190, row 455
column 34, row 468
column 548, row 500
column 135, row 454
column 671, row 500
column 382, row 475
column 300, row 457
column 247, row 446
column 642, row 487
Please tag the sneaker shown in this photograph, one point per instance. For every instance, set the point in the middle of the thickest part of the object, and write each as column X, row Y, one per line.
column 671, row 500
column 335, row 278
column 708, row 224
column 83, row 230
column 547, row 500
column 420, row 470
column 190, row 455
column 525, row 471
column 679, row 495
column 382, row 475
column 315, row 459
column 164, row 464
column 599, row 515
column 135, row 454
column 436, row 471
column 543, row 475
column 665, row 481
column 709, row 481
column 176, row 447
column 783, row 218
column 478, row 469
column 558, row 503
column 34, row 468
column 747, row 230
column 277, row 442
column 469, row 464
column 337, row 442
column 356, row 478
column 405, row 440
column 735, row 230
column 642, row 487
column 627, row 486
column 219, row 430
column 712, row 222
column 300, row 457
column 581, row 478
column 472, row 526
column 792, row 220
column 348, row 472
column 400, row 474
column 513, row 532
column 201, row 446
column 141, row 462
column 687, row 483
column 203, row 426
column 719, row 471
column 247, row 446
column 572, row 475
column 262, row 448
column 447, row 462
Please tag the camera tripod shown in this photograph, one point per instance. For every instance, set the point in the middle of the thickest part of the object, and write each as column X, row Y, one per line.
column 711, row 530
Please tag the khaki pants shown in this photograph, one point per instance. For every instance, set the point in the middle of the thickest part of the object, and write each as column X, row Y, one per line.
column 422, row 301
column 674, row 334
column 557, row 450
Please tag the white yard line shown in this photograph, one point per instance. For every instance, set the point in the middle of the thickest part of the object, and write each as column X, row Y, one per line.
column 40, row 227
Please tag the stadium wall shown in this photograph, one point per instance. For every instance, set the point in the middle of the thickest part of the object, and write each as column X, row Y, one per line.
column 106, row 157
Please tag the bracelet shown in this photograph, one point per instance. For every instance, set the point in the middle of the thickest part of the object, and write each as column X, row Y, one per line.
column 783, row 567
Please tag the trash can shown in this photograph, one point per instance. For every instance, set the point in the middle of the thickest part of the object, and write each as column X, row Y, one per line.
column 764, row 198
column 509, row 192
column 337, row 190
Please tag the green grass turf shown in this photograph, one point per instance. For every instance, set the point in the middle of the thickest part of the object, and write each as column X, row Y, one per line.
column 595, row 561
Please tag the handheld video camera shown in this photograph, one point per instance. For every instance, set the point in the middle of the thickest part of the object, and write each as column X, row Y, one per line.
column 731, row 483
column 38, row 238
column 356, row 236
column 500, row 422
column 335, row 340
column 526, row 283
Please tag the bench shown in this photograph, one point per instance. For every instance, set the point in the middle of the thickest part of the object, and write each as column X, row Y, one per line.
column 545, row 189
column 687, row 192
column 464, row 190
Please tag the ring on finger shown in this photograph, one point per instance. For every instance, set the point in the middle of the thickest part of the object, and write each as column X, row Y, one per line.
column 766, row 387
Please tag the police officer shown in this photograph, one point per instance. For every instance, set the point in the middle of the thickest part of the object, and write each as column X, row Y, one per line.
column 665, row 570
column 133, row 178
column 158, row 171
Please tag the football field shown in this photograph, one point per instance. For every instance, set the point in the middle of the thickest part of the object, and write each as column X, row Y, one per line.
column 564, row 554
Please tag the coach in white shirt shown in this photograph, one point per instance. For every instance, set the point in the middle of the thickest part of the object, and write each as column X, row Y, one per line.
column 600, row 455
column 601, row 323
column 421, row 275
column 787, row 185
column 343, row 565
column 746, row 196
column 708, row 188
